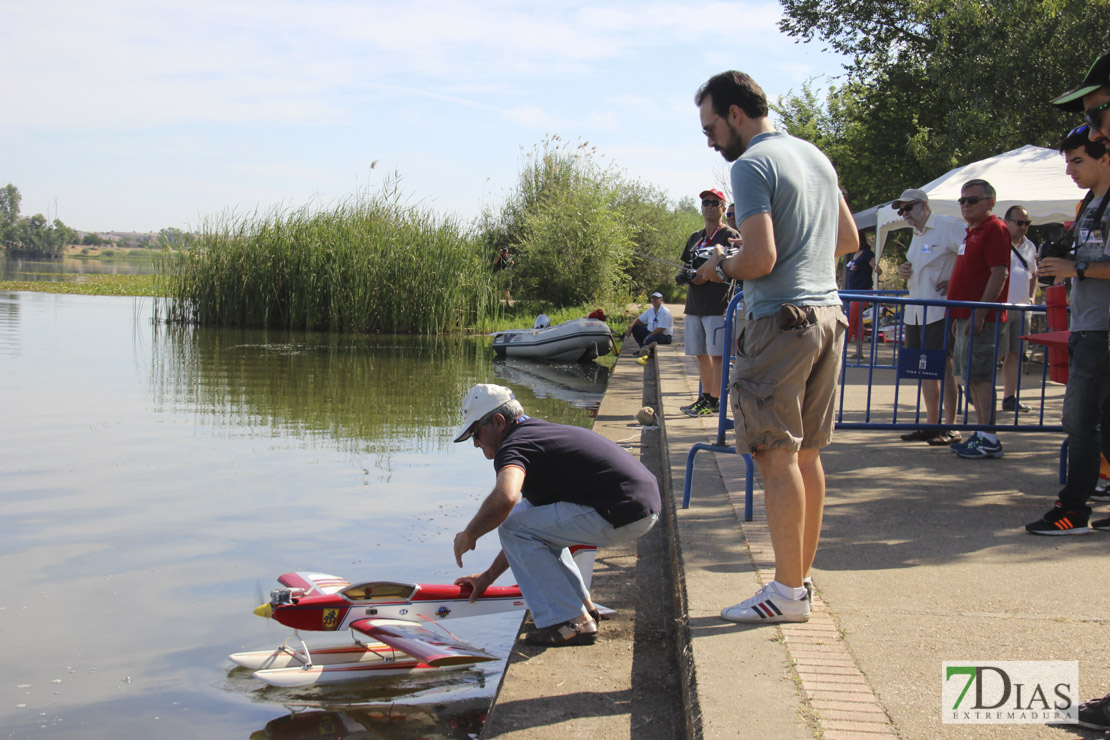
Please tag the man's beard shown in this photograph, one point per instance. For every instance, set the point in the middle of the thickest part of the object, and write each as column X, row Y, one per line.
column 734, row 151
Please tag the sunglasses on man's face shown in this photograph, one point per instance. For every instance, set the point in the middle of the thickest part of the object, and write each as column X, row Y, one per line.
column 711, row 204
column 1094, row 114
column 730, row 213
column 970, row 200
column 906, row 209
column 1019, row 222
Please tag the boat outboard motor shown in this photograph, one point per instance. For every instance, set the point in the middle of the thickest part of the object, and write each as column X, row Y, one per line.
column 542, row 321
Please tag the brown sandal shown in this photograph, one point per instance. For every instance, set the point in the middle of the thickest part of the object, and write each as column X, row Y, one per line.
column 564, row 633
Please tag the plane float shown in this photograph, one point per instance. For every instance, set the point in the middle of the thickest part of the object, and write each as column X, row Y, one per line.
column 395, row 626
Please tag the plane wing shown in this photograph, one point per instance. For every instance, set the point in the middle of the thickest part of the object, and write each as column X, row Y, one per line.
column 434, row 647
column 326, row 584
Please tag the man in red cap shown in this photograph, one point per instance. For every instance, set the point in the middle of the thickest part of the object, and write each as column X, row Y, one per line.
column 706, row 303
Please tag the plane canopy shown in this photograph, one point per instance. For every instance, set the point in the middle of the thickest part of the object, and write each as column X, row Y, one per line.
column 379, row 591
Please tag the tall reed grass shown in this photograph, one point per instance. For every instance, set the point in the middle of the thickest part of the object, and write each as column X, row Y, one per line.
column 371, row 264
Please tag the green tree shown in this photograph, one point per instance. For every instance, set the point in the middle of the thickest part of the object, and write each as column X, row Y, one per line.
column 579, row 232
column 9, row 205
column 658, row 231
column 934, row 84
column 35, row 237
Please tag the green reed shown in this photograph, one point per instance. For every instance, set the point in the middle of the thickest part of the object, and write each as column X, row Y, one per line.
column 370, row 264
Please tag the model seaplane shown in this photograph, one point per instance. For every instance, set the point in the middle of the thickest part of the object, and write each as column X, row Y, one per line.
column 391, row 624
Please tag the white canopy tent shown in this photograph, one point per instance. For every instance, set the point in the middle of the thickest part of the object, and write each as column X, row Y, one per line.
column 1031, row 176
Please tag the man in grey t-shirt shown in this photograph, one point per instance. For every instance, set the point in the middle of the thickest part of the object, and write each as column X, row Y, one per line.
column 1087, row 397
column 794, row 225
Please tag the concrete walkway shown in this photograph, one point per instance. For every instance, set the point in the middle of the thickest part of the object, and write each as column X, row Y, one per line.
column 923, row 559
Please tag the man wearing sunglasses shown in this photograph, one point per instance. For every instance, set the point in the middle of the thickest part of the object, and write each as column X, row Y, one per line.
column 1092, row 98
column 1023, row 283
column 927, row 270
column 706, row 303
column 1087, row 396
column 981, row 274
column 795, row 224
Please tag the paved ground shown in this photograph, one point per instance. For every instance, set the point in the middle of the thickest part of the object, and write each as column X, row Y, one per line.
column 923, row 559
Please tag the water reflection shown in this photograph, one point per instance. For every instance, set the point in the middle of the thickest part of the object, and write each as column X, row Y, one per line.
column 462, row 719
column 155, row 480
column 377, row 394
column 64, row 269
column 580, row 385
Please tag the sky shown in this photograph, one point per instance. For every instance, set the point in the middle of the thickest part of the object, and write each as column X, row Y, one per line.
column 136, row 116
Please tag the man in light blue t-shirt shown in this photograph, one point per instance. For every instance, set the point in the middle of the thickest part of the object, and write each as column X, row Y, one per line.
column 794, row 225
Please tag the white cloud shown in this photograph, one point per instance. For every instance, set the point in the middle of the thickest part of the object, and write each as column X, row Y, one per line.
column 285, row 99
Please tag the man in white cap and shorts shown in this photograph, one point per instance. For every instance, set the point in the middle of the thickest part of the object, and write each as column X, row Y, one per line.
column 928, row 267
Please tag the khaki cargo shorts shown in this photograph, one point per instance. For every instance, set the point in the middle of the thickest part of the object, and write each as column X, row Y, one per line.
column 783, row 385
column 981, row 350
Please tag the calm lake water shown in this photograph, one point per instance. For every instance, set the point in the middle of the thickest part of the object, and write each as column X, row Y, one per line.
column 60, row 270
column 155, row 481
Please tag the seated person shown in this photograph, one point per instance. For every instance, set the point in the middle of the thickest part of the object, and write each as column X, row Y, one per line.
column 653, row 326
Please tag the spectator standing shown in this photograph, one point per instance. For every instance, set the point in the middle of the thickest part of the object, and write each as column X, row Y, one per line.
column 927, row 270
column 706, row 303
column 981, row 274
column 1023, row 283
column 1087, row 395
column 730, row 216
column 1092, row 98
column 860, row 276
column 794, row 224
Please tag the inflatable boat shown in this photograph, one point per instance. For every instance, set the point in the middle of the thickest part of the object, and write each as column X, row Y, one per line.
column 578, row 340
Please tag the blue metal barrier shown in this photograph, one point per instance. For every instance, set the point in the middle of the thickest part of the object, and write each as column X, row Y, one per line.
column 897, row 301
column 723, row 424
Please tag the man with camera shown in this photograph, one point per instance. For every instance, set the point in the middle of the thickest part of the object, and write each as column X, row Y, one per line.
column 706, row 302
column 1083, row 257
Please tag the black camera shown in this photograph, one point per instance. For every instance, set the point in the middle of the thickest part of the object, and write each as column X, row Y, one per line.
column 1057, row 243
column 685, row 275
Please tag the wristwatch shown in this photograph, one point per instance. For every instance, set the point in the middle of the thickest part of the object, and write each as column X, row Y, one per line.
column 720, row 272
column 1081, row 270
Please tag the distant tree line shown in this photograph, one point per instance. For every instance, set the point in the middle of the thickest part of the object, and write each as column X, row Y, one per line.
column 35, row 236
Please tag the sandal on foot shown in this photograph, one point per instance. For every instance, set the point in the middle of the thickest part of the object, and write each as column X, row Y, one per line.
column 564, row 633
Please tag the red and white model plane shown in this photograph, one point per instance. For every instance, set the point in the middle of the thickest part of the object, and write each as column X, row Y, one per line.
column 390, row 622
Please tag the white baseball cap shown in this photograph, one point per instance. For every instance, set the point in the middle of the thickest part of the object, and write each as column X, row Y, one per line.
column 657, row 294
column 479, row 401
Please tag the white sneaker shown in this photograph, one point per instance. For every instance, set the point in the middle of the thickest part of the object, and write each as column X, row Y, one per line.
column 768, row 606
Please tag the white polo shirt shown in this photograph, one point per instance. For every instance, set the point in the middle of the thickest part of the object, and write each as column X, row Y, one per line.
column 654, row 320
column 1020, row 274
column 932, row 254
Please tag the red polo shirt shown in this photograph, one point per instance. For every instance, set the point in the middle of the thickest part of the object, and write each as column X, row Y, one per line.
column 984, row 247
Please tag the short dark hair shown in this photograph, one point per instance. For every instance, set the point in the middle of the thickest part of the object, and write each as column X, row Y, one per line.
column 1011, row 209
column 734, row 88
column 1080, row 137
column 985, row 187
